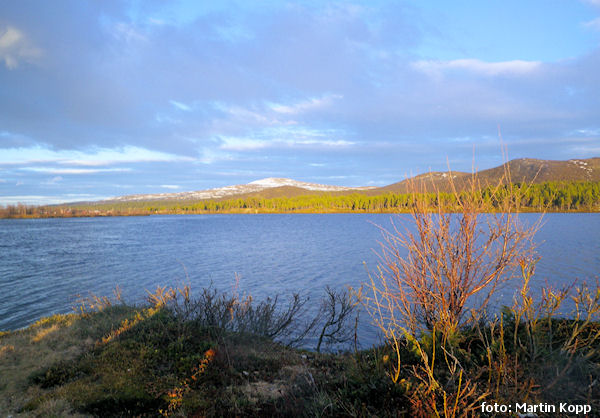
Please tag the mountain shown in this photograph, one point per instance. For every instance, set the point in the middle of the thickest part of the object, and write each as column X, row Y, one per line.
column 283, row 187
column 527, row 170
column 522, row 170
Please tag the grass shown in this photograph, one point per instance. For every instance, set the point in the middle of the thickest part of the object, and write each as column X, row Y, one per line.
column 164, row 359
column 52, row 340
column 211, row 356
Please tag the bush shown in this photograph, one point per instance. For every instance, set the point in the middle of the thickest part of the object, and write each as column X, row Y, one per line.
column 429, row 298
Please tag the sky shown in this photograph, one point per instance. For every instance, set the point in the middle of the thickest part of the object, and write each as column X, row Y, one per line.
column 109, row 98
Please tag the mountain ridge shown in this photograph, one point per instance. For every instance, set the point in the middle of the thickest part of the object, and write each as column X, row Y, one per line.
column 523, row 170
column 236, row 190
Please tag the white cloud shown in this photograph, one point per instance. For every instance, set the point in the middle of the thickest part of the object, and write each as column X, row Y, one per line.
column 587, row 132
column 210, row 156
column 53, row 170
column 243, row 115
column 247, row 144
column 327, row 143
column 48, row 200
column 160, row 118
column 586, row 150
column 593, row 24
column 127, row 33
column 156, row 21
column 53, row 180
column 170, row 186
column 305, row 105
column 15, row 47
column 515, row 67
column 180, row 106
column 243, row 144
column 29, row 199
column 94, row 157
column 281, row 136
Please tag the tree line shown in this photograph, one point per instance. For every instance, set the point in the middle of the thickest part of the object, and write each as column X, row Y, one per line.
column 548, row 196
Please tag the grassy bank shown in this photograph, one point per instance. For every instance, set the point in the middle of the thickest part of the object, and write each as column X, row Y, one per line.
column 212, row 356
column 183, row 356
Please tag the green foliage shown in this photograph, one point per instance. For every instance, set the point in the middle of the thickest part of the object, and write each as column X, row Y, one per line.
column 549, row 196
column 54, row 375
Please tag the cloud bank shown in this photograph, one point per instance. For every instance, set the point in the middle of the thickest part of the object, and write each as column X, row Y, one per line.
column 117, row 97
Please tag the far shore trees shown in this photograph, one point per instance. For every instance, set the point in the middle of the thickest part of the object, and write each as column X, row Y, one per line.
column 548, row 196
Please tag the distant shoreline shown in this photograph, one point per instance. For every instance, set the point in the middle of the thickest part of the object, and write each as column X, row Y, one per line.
column 560, row 197
column 306, row 212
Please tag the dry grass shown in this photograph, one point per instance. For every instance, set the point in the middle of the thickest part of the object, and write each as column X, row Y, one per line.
column 54, row 339
column 24, row 351
column 176, row 355
column 534, row 353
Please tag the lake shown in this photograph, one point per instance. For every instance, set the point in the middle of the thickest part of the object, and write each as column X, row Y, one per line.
column 46, row 263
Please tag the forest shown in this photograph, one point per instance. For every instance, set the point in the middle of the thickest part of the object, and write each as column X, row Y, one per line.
column 548, row 196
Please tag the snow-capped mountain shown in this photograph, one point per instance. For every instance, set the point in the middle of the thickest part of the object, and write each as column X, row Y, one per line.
column 278, row 182
column 227, row 191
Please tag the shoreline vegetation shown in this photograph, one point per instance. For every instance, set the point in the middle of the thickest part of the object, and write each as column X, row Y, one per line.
column 216, row 355
column 543, row 197
column 444, row 351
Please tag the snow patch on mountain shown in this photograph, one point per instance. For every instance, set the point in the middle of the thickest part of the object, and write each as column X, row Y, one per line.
column 254, row 186
column 279, row 182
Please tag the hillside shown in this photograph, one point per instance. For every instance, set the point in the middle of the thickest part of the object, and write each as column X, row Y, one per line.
column 562, row 186
column 523, row 170
column 267, row 188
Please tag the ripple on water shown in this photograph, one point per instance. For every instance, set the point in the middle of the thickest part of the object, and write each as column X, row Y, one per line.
column 46, row 263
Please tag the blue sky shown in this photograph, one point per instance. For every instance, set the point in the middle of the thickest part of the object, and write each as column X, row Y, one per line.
column 101, row 99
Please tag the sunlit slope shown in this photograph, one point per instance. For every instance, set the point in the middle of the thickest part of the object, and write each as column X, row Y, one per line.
column 523, row 170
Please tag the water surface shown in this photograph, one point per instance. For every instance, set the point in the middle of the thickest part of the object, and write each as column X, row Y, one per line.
column 46, row 263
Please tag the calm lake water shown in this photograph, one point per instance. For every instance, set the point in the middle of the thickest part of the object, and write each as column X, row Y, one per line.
column 46, row 263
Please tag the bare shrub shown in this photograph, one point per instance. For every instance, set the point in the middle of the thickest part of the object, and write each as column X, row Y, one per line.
column 287, row 322
column 458, row 247
column 337, row 308
column 437, row 274
column 221, row 312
